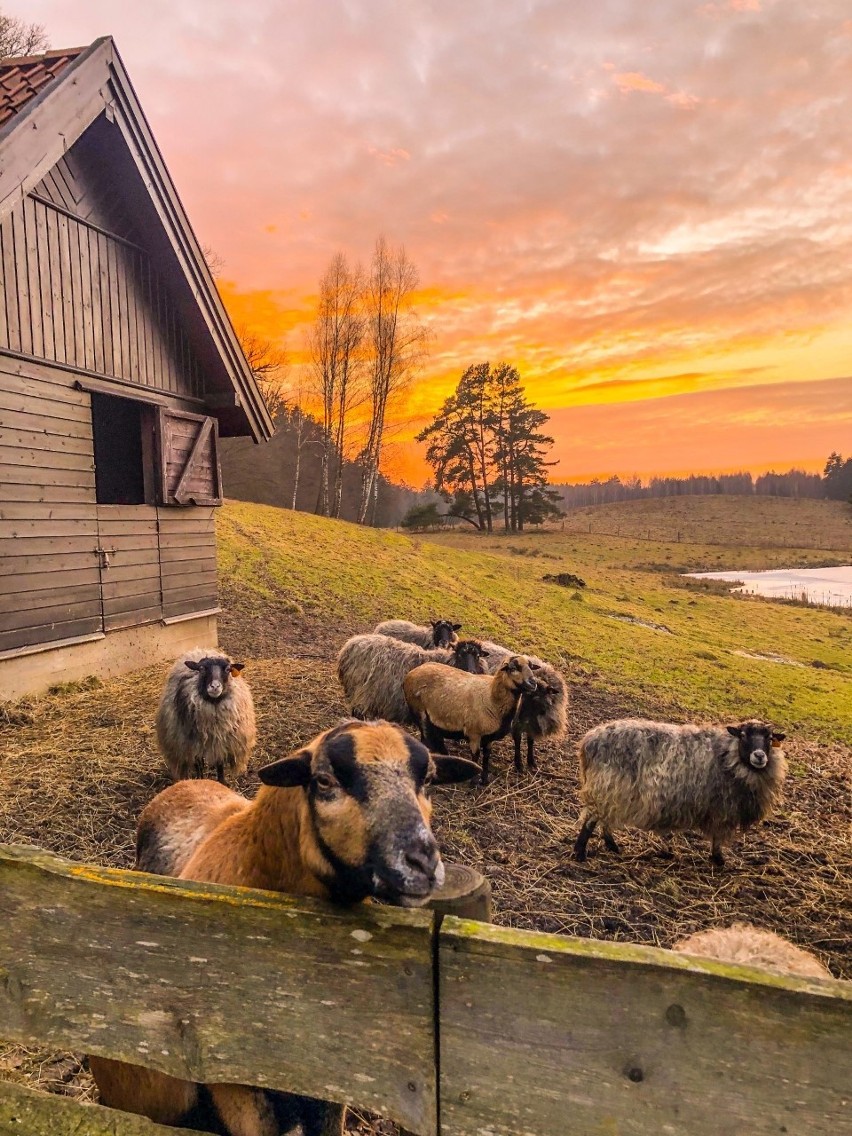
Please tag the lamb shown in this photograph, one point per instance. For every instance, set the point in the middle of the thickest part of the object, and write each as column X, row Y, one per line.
column 346, row 818
column 664, row 778
column 449, row 704
column 748, row 945
column 371, row 669
column 542, row 713
column 206, row 715
column 439, row 633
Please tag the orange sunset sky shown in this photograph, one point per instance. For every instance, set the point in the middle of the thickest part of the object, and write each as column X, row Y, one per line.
column 645, row 207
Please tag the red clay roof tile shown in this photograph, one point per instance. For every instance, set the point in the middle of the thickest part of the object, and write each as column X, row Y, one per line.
column 23, row 78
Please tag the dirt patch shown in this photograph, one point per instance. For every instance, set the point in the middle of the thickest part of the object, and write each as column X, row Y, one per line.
column 768, row 658
column 76, row 768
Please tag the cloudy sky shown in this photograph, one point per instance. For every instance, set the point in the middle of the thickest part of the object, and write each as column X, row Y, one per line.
column 646, row 207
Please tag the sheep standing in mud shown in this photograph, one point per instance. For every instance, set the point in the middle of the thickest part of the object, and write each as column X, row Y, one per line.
column 439, row 633
column 206, row 716
column 371, row 670
column 664, row 778
column 480, row 708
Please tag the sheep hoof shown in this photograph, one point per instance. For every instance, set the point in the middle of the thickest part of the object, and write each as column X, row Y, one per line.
column 611, row 844
column 718, row 859
column 580, row 854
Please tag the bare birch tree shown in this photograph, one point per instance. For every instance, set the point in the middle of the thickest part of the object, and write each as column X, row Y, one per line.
column 396, row 342
column 20, row 38
column 335, row 343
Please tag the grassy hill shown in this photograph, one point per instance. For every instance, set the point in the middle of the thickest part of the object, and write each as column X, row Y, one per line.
column 635, row 629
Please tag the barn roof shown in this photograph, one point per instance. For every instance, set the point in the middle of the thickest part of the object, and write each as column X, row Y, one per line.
column 46, row 103
column 21, row 79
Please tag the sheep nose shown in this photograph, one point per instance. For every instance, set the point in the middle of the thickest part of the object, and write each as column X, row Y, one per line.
column 214, row 689
column 531, row 685
column 758, row 758
column 422, row 855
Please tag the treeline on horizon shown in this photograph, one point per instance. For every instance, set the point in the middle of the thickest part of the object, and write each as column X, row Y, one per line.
column 835, row 483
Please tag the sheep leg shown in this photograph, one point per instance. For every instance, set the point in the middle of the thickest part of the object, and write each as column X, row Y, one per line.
column 485, row 752
column 244, row 1111
column 433, row 739
column 199, row 767
column 588, row 826
column 220, row 773
column 516, row 737
column 610, row 842
column 531, row 762
column 717, row 856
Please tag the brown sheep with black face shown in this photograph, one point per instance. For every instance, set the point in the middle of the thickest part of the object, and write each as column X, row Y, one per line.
column 344, row 819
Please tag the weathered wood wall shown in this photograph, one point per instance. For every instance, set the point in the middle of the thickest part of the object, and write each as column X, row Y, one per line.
column 78, row 289
column 53, row 587
column 539, row 1035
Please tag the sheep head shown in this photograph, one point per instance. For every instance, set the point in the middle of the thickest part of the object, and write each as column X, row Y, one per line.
column 365, row 787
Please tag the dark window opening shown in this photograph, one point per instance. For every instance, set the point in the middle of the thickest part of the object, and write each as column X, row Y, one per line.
column 123, row 474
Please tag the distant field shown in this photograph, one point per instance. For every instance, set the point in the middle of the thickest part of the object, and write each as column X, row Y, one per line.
column 635, row 628
column 738, row 521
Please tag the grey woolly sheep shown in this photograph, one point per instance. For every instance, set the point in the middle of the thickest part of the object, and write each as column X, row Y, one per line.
column 541, row 713
column 371, row 669
column 206, row 716
column 439, row 633
column 449, row 704
column 495, row 654
column 664, row 778
column 743, row 943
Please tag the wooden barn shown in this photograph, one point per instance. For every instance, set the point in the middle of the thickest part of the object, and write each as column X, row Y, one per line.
column 119, row 370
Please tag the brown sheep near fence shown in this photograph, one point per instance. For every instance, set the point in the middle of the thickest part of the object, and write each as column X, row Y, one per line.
column 347, row 818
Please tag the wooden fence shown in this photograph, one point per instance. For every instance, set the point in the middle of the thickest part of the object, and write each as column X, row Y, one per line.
column 462, row 1029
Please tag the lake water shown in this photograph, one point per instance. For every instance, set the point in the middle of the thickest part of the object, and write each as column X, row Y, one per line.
column 828, row 586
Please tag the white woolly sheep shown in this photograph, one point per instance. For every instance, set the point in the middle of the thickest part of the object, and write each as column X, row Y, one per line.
column 206, row 716
column 664, row 778
column 439, row 633
column 750, row 946
column 371, row 669
column 449, row 704
column 347, row 818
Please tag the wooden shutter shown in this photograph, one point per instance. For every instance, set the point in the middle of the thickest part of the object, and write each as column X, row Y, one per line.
column 189, row 459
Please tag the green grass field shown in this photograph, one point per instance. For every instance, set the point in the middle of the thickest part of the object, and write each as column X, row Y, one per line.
column 352, row 577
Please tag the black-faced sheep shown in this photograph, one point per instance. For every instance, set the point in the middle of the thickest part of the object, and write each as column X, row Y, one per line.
column 664, row 778
column 439, row 633
column 748, row 945
column 541, row 713
column 449, row 704
column 371, row 669
column 206, row 716
column 345, row 818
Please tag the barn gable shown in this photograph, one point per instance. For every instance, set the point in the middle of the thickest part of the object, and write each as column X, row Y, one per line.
column 75, row 147
column 118, row 370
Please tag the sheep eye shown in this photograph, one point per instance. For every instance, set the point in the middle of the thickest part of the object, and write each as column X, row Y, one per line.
column 324, row 781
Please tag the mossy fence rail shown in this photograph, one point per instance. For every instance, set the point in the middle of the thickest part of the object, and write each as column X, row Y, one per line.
column 462, row 1029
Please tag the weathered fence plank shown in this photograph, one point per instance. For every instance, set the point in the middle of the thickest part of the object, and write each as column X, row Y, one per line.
column 26, row 1112
column 214, row 983
column 547, row 1036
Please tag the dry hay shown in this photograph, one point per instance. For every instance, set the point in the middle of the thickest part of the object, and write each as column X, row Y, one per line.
column 77, row 767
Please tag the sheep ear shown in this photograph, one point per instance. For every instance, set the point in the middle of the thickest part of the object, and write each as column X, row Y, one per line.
column 449, row 770
column 288, row 772
column 734, row 731
column 193, row 666
column 777, row 737
column 457, row 627
column 235, row 668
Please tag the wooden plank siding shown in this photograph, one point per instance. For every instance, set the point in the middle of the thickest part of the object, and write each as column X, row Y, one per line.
column 187, row 540
column 78, row 295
